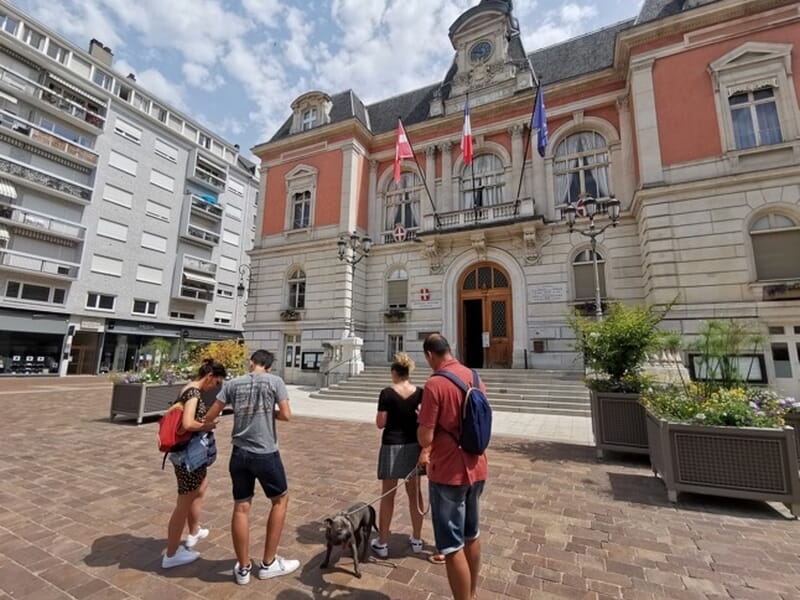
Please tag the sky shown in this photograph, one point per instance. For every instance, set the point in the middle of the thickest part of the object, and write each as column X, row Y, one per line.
column 236, row 65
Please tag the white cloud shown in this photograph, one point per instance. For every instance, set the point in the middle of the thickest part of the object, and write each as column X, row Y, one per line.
column 557, row 25
column 201, row 77
column 156, row 83
column 79, row 21
column 264, row 11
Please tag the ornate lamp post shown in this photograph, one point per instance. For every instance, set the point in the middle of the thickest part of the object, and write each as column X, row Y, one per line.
column 352, row 250
column 591, row 206
column 244, row 281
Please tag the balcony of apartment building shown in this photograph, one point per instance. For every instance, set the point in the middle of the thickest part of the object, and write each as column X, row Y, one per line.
column 20, row 171
column 18, row 131
column 197, row 279
column 201, row 219
column 58, row 97
column 207, row 172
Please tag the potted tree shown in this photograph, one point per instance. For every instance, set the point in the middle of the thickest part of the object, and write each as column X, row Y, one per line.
column 720, row 435
column 614, row 351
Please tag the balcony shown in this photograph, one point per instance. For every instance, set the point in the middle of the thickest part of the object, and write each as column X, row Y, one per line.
column 31, row 223
column 26, row 175
column 481, row 217
column 61, row 97
column 201, row 236
column 391, row 237
column 26, row 131
column 204, row 208
column 199, row 294
column 200, row 265
column 20, row 261
column 208, row 174
column 198, row 280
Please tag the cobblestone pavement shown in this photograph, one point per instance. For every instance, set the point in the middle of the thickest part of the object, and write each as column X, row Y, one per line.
column 84, row 505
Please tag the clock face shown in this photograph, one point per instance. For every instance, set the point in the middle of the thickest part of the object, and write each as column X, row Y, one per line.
column 480, row 52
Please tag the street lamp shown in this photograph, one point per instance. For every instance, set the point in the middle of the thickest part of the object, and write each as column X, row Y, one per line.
column 590, row 205
column 352, row 250
column 240, row 289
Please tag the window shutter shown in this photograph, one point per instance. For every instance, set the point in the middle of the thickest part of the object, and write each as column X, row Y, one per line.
column 397, row 293
column 584, row 281
column 776, row 255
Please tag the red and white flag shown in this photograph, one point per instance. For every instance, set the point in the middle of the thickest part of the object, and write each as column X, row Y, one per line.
column 401, row 150
column 466, row 136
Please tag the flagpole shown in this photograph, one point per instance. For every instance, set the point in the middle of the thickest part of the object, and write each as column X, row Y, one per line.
column 424, row 179
column 525, row 154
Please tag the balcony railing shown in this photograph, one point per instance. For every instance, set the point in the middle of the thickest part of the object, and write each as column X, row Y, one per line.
column 52, row 97
column 483, row 216
column 206, row 208
column 203, row 235
column 33, row 175
column 26, row 128
column 201, row 266
column 34, row 220
column 389, row 237
column 208, row 177
column 48, row 266
column 194, row 293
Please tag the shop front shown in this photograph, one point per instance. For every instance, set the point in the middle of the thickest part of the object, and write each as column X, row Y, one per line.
column 31, row 343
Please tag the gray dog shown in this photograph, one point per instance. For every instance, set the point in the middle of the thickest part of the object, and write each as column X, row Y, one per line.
column 350, row 527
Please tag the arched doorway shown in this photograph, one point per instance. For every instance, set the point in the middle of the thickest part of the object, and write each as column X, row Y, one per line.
column 485, row 325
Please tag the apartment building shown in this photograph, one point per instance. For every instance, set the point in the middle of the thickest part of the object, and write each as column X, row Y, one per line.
column 686, row 113
column 121, row 218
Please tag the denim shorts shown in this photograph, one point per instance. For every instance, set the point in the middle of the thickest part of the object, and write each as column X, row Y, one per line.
column 456, row 511
column 247, row 467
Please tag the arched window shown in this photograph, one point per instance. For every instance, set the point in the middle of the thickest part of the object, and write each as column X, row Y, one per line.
column 776, row 246
column 583, row 272
column 297, row 289
column 397, row 289
column 401, row 206
column 581, row 167
column 483, row 183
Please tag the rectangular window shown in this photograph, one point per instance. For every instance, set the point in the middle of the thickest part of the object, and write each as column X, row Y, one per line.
column 162, row 180
column 80, row 66
column 8, row 24
column 97, row 301
column 123, row 163
column 233, row 211
column 781, row 360
column 205, row 141
column 128, row 131
column 231, row 237
column 12, row 289
column 755, row 119
column 394, row 346
column 222, row 317
column 106, row 265
column 59, row 295
column 110, row 229
column 397, row 293
column 175, row 123
column 301, row 210
column 123, row 91
column 102, row 79
column 229, row 264
column 149, row 274
column 181, row 315
column 224, row 291
column 159, row 112
column 57, row 53
column 145, row 307
column 236, row 187
column 140, row 102
column 117, row 195
column 157, row 211
column 165, row 150
column 32, row 38
column 154, row 242
column 36, row 293
column 309, row 119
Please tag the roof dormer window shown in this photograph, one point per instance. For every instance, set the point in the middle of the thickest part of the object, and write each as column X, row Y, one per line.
column 309, row 119
column 311, row 110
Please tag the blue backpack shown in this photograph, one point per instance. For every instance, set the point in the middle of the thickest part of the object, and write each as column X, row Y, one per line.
column 476, row 415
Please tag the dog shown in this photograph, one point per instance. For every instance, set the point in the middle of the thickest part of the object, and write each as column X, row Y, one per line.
column 351, row 527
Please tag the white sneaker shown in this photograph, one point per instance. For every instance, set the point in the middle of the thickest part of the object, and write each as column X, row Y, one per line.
column 242, row 575
column 280, row 566
column 380, row 550
column 416, row 545
column 191, row 540
column 182, row 556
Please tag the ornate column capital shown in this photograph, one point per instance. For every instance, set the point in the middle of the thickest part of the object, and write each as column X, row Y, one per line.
column 373, row 164
column 430, row 151
column 623, row 103
column 445, row 146
column 516, row 129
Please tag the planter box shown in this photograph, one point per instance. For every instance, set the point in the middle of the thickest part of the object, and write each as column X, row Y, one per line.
column 618, row 423
column 139, row 400
column 793, row 420
column 734, row 462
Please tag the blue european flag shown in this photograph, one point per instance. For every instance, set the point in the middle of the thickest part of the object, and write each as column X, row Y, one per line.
column 539, row 121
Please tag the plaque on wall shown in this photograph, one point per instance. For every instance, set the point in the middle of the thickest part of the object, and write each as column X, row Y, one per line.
column 549, row 292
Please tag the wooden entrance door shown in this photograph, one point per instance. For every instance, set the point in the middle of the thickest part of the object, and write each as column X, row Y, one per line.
column 485, row 312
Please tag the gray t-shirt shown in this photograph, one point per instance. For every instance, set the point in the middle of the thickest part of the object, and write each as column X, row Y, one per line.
column 254, row 398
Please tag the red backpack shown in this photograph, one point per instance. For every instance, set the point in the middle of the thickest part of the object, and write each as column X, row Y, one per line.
column 170, row 430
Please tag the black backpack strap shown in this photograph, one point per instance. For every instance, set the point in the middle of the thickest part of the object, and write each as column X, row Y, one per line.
column 164, row 462
column 464, row 388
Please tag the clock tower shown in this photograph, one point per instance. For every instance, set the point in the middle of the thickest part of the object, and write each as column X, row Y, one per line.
column 490, row 62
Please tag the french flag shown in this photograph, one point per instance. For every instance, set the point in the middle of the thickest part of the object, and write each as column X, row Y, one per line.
column 466, row 136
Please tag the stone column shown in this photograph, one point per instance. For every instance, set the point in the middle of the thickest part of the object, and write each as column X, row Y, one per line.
column 517, row 163
column 430, row 204
column 375, row 208
column 348, row 215
column 624, row 172
column 644, row 106
column 262, row 186
column 446, row 201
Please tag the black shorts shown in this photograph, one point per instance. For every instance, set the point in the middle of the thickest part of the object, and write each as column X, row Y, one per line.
column 247, row 467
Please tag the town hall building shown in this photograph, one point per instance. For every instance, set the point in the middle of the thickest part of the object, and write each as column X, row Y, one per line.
column 687, row 114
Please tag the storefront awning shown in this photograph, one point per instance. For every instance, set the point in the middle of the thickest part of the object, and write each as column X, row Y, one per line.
column 32, row 322
column 7, row 189
column 197, row 278
column 77, row 89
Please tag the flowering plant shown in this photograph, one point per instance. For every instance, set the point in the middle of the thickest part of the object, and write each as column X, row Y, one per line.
column 739, row 406
column 168, row 375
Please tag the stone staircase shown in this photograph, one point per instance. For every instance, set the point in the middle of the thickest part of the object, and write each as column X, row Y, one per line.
column 509, row 390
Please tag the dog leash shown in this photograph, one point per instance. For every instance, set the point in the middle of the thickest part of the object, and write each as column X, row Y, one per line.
column 403, row 481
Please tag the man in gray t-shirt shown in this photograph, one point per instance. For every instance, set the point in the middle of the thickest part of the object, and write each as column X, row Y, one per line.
column 258, row 400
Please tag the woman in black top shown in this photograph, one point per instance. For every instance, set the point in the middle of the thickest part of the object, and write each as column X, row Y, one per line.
column 397, row 416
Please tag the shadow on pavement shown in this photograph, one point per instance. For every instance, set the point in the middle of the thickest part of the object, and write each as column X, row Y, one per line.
column 314, row 577
column 549, row 451
column 649, row 490
column 144, row 554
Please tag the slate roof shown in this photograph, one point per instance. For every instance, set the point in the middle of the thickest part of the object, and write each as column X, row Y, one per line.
column 578, row 56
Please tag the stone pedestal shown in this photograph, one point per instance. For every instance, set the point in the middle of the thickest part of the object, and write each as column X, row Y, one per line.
column 342, row 360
